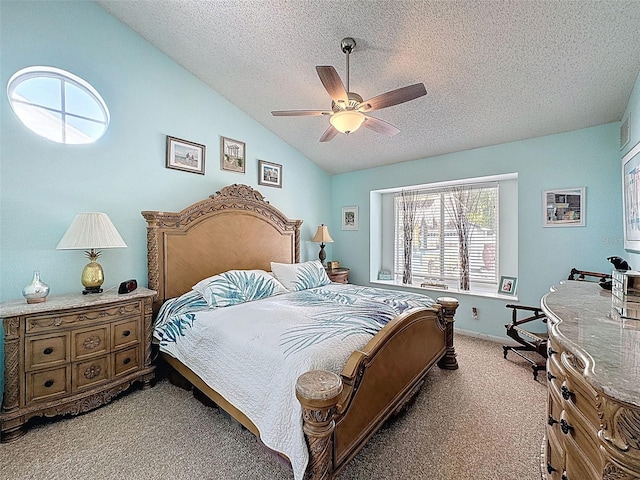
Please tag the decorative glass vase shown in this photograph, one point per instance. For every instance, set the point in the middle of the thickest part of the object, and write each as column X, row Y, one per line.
column 37, row 290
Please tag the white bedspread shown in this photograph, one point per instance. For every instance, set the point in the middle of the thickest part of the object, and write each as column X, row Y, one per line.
column 253, row 353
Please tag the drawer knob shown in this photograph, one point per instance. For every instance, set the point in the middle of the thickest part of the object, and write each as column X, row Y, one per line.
column 48, row 383
column 92, row 372
column 550, row 469
column 551, row 420
column 565, row 427
column 566, row 393
column 126, row 333
column 91, row 342
column 48, row 351
column 550, row 376
column 126, row 361
column 551, row 351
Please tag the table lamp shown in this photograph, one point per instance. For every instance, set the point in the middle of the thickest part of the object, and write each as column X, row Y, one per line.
column 90, row 231
column 322, row 236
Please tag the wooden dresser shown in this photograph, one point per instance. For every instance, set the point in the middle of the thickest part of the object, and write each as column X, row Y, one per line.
column 72, row 353
column 593, row 371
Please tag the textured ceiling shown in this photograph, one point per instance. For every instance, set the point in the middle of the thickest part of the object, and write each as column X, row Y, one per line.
column 495, row 71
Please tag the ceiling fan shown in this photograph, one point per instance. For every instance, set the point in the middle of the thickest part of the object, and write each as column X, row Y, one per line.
column 348, row 110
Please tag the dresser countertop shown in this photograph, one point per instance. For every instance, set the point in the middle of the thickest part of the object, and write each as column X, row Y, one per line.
column 580, row 319
column 13, row 308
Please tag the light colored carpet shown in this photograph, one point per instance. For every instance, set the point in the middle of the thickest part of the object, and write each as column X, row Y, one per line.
column 482, row 421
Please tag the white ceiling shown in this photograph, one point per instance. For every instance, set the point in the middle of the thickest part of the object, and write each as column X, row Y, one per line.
column 495, row 71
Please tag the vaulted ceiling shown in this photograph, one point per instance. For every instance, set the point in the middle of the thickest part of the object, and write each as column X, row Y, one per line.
column 495, row 71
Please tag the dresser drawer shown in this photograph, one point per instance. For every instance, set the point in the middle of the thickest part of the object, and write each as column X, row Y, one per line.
column 47, row 384
column 578, row 394
column 555, row 458
column 91, row 372
column 47, row 351
column 577, row 431
column 81, row 317
column 90, row 342
column 126, row 361
column 125, row 333
column 578, row 465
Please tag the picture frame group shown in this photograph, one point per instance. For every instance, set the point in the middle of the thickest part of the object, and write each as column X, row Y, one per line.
column 190, row 156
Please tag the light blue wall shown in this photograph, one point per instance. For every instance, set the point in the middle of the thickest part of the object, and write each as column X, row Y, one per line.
column 43, row 184
column 588, row 158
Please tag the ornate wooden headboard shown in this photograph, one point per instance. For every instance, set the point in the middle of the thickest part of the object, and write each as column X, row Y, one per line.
column 234, row 229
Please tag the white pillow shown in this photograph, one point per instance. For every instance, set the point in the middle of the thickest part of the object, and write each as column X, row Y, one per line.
column 300, row 276
column 238, row 286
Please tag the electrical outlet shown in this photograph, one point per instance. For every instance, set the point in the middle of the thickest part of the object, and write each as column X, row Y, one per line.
column 474, row 311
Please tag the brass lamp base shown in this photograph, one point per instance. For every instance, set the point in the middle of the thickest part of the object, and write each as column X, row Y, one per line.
column 92, row 275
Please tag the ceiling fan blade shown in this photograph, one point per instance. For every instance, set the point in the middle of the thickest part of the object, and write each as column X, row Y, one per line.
column 328, row 134
column 299, row 113
column 332, row 83
column 380, row 126
column 394, row 97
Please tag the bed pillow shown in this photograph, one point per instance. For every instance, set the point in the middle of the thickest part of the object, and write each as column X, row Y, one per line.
column 300, row 276
column 238, row 286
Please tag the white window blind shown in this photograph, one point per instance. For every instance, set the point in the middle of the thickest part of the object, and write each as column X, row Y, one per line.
column 439, row 216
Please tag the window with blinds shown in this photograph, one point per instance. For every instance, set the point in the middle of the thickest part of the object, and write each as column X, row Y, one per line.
column 432, row 224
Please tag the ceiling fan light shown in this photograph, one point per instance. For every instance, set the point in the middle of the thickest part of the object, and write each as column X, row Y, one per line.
column 347, row 121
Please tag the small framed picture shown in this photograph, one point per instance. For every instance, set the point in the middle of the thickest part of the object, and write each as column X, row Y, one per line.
column 564, row 207
column 349, row 218
column 508, row 285
column 232, row 155
column 184, row 155
column 269, row 174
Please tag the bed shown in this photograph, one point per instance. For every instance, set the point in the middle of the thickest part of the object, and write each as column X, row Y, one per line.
column 237, row 229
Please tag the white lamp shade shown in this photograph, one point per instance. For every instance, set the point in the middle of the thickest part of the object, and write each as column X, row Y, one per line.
column 347, row 121
column 91, row 230
column 322, row 235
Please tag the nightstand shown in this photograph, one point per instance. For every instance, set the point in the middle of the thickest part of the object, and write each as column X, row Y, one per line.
column 72, row 353
column 338, row 275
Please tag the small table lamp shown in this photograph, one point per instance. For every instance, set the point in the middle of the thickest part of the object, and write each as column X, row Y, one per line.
column 89, row 231
column 322, row 236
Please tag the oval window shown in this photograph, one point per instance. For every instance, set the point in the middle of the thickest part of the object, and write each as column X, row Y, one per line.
column 58, row 105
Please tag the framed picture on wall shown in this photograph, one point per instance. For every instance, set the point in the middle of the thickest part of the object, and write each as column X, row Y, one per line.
column 269, row 174
column 564, row 207
column 232, row 155
column 349, row 218
column 631, row 199
column 184, row 155
column 507, row 285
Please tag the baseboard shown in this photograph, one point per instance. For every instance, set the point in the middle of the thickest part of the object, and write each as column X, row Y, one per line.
column 483, row 336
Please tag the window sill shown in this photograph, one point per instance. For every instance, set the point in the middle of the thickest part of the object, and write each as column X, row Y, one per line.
column 446, row 291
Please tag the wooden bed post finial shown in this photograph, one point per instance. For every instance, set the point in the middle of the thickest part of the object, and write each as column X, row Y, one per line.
column 318, row 392
column 449, row 306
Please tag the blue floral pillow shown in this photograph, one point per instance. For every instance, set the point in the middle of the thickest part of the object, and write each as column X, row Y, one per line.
column 238, row 286
column 300, row 276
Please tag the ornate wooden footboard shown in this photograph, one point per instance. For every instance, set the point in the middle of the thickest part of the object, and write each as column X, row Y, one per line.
column 342, row 412
column 237, row 229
